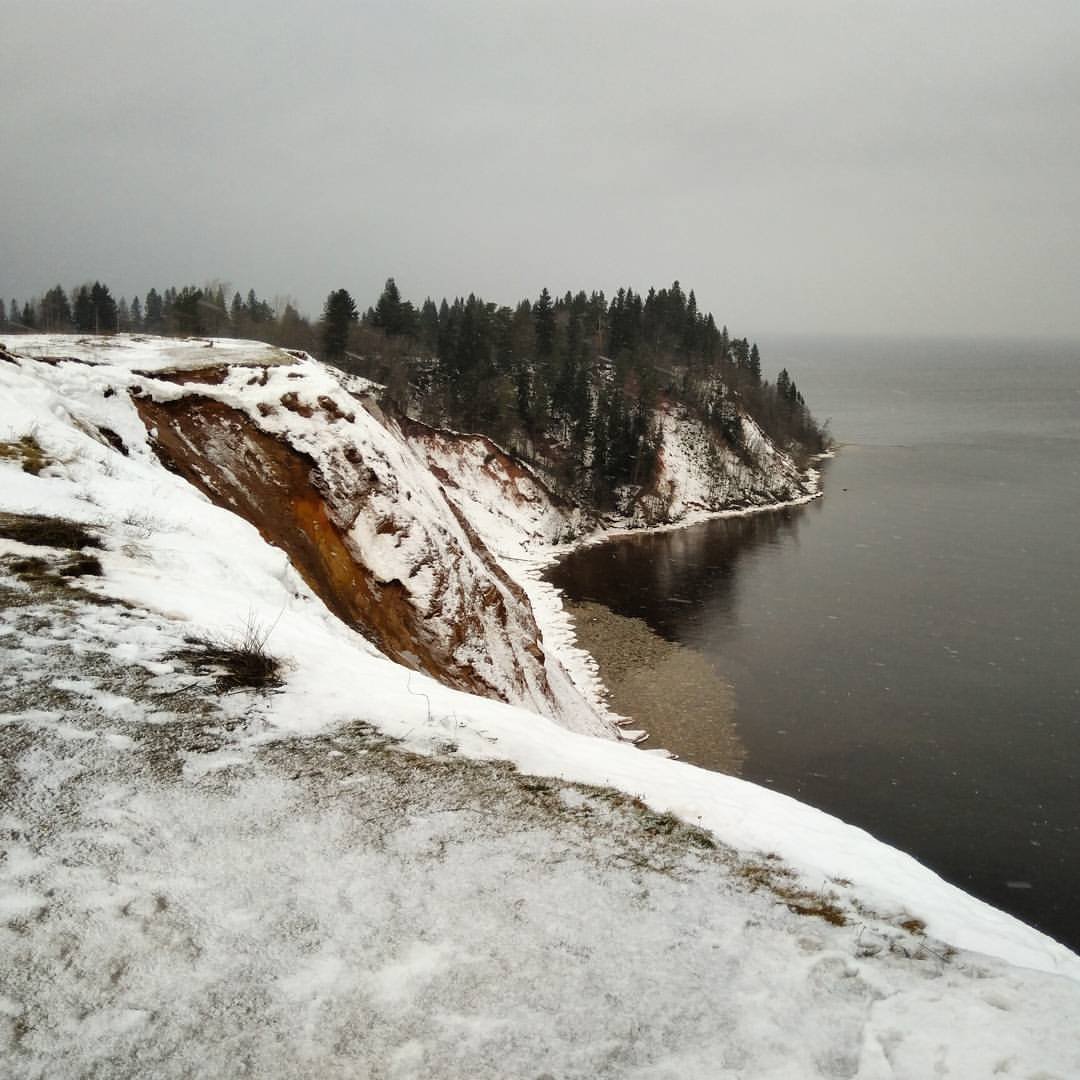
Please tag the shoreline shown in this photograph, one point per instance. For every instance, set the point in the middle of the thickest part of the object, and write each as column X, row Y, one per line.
column 668, row 689
column 556, row 623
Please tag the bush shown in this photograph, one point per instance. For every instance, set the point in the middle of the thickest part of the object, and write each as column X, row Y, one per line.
column 240, row 663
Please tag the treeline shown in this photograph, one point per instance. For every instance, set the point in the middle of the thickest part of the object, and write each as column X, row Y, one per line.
column 190, row 311
column 571, row 383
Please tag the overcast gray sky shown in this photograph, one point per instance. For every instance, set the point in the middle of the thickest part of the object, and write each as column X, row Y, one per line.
column 856, row 165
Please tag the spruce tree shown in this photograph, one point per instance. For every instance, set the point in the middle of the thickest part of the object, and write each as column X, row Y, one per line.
column 55, row 310
column 153, row 313
column 754, row 363
column 428, row 329
column 387, row 314
column 338, row 312
column 544, row 319
column 85, row 315
column 187, row 312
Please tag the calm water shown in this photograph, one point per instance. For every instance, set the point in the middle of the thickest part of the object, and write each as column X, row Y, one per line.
column 906, row 651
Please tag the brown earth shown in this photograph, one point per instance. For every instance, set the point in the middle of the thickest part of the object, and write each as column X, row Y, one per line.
column 276, row 488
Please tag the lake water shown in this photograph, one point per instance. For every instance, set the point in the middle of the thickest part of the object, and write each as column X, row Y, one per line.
column 905, row 652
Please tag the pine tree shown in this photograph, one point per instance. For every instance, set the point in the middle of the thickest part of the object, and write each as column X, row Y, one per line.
column 338, row 312
column 136, row 315
column 3, row 313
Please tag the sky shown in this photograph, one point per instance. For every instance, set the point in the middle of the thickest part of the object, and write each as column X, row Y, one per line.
column 852, row 166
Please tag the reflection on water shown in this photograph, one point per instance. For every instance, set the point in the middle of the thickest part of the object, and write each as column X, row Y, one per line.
column 670, row 578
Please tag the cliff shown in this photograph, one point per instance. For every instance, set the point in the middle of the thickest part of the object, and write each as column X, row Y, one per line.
column 412, row 535
column 212, row 866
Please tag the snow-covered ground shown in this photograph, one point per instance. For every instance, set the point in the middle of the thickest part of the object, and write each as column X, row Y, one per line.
column 367, row 873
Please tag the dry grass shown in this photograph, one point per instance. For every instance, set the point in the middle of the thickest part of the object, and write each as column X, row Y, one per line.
column 28, row 452
column 38, row 530
column 237, row 664
column 777, row 879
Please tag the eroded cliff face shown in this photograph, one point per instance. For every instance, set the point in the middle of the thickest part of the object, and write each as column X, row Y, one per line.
column 363, row 519
column 511, row 507
column 277, row 489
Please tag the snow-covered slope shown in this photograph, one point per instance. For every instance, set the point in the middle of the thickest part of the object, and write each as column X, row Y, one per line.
column 699, row 474
column 287, row 443
column 195, row 883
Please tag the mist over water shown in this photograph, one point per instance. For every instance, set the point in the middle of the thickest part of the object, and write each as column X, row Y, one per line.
column 905, row 653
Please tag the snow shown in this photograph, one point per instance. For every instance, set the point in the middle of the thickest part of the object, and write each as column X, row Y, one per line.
column 197, row 883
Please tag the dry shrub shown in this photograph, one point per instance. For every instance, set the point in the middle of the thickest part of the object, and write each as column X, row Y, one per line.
column 238, row 663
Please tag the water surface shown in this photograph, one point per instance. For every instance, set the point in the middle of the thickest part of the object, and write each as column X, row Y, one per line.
column 905, row 652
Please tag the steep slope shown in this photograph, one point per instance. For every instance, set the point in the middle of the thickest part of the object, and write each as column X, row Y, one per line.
column 293, row 447
column 698, row 473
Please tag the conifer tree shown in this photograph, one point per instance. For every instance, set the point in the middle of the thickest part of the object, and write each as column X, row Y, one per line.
column 339, row 312
column 429, row 326
column 754, row 363
column 56, row 310
column 85, row 314
column 154, row 312
column 544, row 318
column 387, row 313
column 186, row 313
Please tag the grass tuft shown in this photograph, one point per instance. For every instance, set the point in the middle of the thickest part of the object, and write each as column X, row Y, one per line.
column 83, row 566
column 41, row 531
column 28, row 452
column 774, row 877
column 240, row 663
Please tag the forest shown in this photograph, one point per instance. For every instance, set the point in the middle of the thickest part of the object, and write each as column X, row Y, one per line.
column 570, row 383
